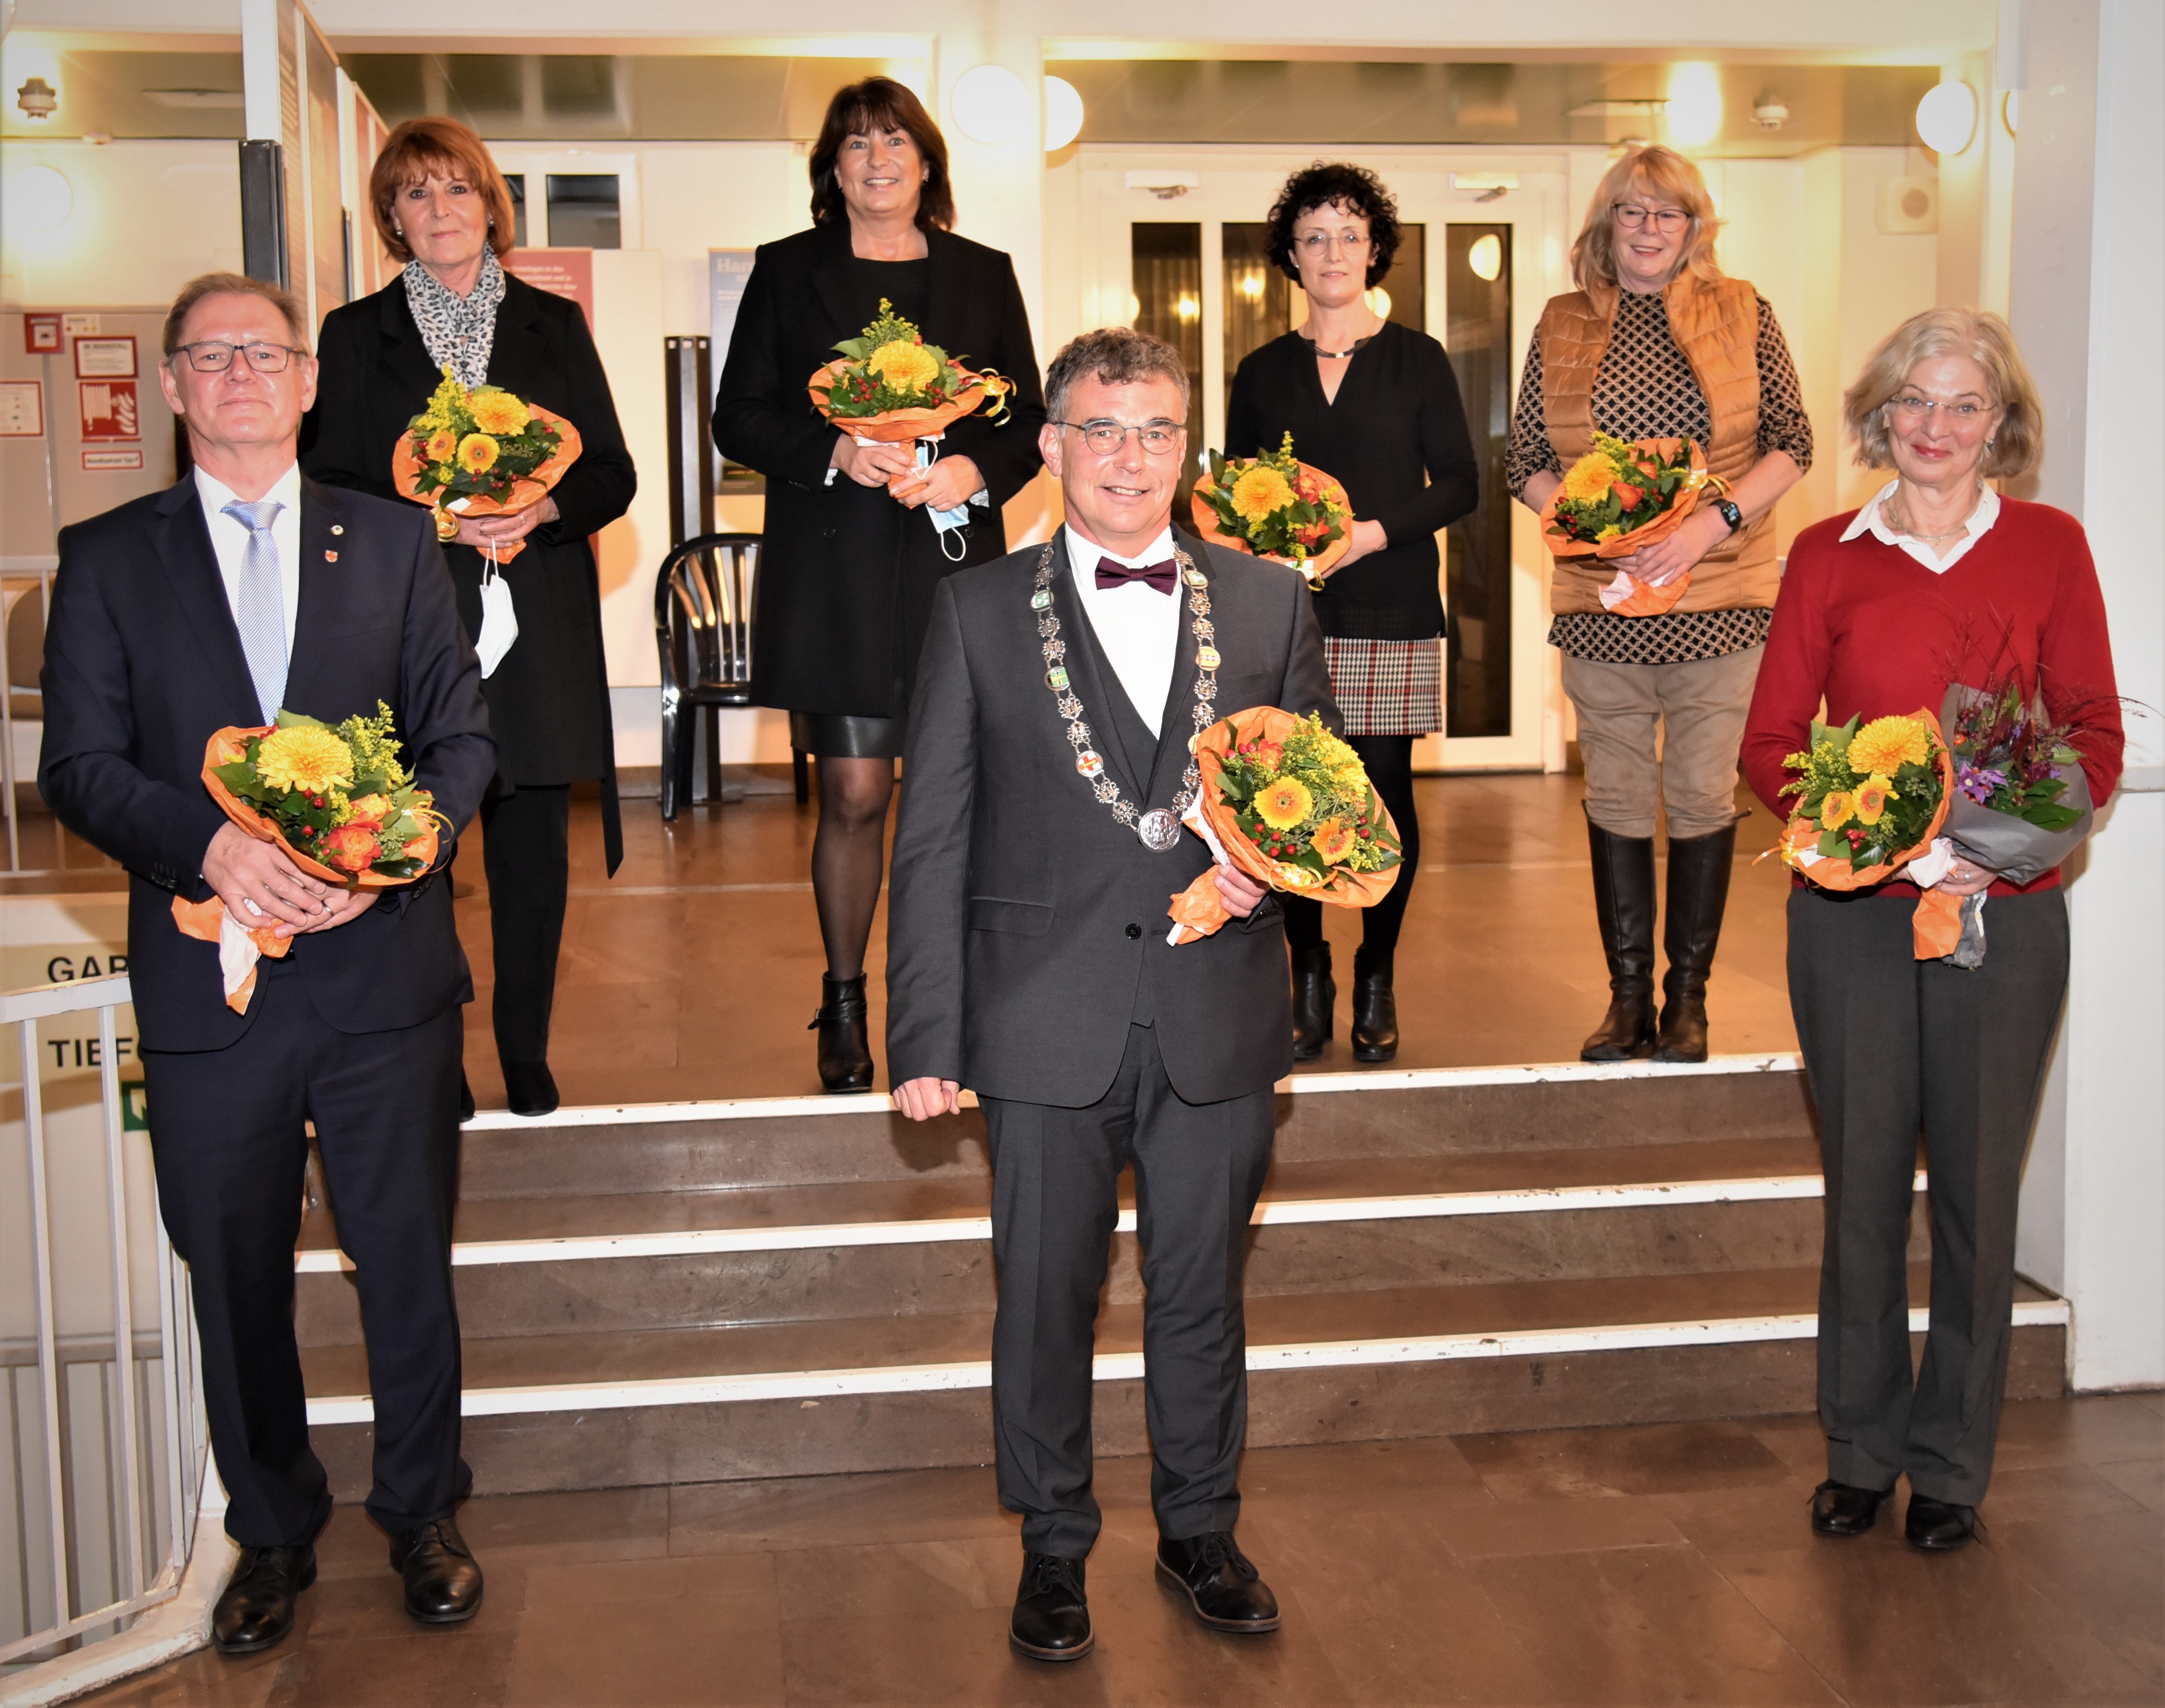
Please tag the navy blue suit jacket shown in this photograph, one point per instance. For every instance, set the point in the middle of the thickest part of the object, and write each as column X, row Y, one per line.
column 144, row 663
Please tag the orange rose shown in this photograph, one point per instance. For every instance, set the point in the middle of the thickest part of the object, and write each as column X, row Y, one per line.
column 353, row 848
column 370, row 811
column 1628, row 496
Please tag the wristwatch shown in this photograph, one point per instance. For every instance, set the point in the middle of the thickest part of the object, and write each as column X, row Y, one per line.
column 1727, row 511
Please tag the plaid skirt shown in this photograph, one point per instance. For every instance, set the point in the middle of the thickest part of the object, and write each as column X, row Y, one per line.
column 1387, row 688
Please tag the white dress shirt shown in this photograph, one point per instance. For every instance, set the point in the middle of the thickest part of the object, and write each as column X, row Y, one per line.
column 229, row 539
column 1137, row 626
column 1869, row 519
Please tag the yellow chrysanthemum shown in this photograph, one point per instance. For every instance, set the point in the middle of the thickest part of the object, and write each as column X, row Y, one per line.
column 1284, row 803
column 907, row 368
column 1838, row 809
column 1873, row 795
column 498, row 412
column 311, row 761
column 1262, row 490
column 1885, row 744
column 441, row 444
column 1333, row 840
column 477, row 453
column 1588, row 479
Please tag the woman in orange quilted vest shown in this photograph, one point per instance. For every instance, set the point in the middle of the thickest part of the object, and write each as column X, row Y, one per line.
column 1655, row 343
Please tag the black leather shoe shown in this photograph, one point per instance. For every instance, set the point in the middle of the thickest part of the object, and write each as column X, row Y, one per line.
column 530, row 1087
column 1841, row 1509
column 846, row 1051
column 443, row 1583
column 256, row 1610
column 1623, row 907
column 1699, row 893
column 1314, row 994
column 1051, row 1618
column 1375, row 1017
column 1938, row 1525
column 1220, row 1583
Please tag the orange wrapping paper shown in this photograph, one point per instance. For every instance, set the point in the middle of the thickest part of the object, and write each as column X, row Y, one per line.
column 527, row 491
column 1647, row 600
column 1315, row 568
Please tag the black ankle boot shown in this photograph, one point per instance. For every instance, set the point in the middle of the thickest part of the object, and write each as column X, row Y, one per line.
column 1624, row 906
column 530, row 1087
column 1375, row 1009
column 1314, row 994
column 845, row 1053
column 1698, row 892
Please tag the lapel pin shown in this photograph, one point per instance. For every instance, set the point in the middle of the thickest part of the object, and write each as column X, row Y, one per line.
column 337, row 528
column 330, row 557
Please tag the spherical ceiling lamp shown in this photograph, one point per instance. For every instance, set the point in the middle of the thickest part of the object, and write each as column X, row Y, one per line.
column 990, row 105
column 1693, row 113
column 1063, row 113
column 2011, row 111
column 37, row 200
column 1946, row 116
column 1486, row 257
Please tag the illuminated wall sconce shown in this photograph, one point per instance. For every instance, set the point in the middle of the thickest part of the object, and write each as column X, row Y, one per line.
column 991, row 105
column 38, row 99
column 1946, row 116
column 1379, row 301
column 1486, row 257
column 2011, row 114
column 1063, row 113
column 1693, row 113
column 1186, row 307
column 38, row 200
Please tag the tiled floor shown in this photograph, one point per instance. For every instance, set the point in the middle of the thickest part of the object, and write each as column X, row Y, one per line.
column 1644, row 1565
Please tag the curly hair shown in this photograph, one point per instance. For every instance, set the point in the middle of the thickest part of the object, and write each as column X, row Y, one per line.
column 2018, row 437
column 1114, row 355
column 880, row 104
column 1336, row 184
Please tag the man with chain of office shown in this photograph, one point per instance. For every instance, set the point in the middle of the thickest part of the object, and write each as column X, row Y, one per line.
column 1039, row 843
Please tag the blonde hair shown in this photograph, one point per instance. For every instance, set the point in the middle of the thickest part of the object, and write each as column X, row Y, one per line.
column 2019, row 439
column 233, row 285
column 1663, row 176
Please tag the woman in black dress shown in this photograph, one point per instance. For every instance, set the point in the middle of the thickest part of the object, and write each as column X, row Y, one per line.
column 1376, row 404
column 845, row 587
column 442, row 206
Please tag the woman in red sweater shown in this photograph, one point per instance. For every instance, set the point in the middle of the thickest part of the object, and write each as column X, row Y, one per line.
column 1937, row 580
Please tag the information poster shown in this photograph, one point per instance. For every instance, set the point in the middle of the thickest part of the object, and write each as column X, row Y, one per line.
column 563, row 272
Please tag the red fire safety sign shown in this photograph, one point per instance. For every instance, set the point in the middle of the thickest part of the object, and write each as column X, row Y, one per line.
column 109, row 411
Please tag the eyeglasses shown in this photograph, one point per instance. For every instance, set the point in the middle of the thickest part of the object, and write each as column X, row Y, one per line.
column 1159, row 438
column 1632, row 216
column 215, row 355
column 1911, row 407
column 1317, row 243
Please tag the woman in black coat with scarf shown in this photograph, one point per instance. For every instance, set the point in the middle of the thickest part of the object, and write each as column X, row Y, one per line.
column 440, row 204
column 845, row 581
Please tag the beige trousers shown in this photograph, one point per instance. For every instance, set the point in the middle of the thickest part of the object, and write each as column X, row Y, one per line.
column 1698, row 710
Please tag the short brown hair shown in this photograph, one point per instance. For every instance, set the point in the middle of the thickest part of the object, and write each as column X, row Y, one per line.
column 2019, row 439
column 233, row 285
column 1336, row 184
column 1114, row 355
column 877, row 104
column 447, row 149
column 1660, row 172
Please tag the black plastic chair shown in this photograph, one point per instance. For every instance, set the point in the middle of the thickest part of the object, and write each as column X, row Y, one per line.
column 702, row 626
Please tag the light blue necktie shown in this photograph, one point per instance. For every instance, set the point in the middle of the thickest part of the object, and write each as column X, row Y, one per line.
column 262, row 614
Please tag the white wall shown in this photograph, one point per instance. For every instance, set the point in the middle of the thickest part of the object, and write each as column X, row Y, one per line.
column 147, row 218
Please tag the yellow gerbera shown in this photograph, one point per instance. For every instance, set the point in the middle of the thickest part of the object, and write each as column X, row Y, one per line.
column 1873, row 795
column 441, row 444
column 1588, row 480
column 907, row 368
column 498, row 412
column 1838, row 809
column 1284, row 803
column 476, row 453
column 311, row 761
column 1333, row 840
column 1262, row 490
column 1885, row 744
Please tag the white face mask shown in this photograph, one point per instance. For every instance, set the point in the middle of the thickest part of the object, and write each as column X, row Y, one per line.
column 499, row 621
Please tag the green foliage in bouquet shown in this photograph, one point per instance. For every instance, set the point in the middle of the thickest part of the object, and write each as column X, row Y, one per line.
column 339, row 794
column 1279, row 508
column 1870, row 792
column 891, row 367
column 1306, row 801
column 476, row 442
column 1615, row 488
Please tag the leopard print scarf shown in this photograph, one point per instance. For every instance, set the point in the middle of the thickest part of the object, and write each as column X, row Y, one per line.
column 459, row 331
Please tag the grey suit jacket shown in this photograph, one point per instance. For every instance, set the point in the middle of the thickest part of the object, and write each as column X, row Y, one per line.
column 1023, row 919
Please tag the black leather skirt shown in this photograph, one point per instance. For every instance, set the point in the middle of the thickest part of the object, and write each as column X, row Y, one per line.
column 839, row 735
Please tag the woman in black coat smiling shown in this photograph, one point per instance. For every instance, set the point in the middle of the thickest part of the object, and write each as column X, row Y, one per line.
column 845, row 583
column 440, row 204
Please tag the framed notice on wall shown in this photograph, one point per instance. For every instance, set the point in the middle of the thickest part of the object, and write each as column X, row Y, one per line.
column 105, row 358
column 22, row 409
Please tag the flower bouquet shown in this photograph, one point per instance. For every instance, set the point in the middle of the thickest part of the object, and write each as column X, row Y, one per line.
column 1287, row 802
column 1622, row 497
column 336, row 800
column 1274, row 505
column 891, row 388
column 482, row 452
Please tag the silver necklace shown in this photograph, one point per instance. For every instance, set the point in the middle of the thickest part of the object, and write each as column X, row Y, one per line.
column 1158, row 829
column 1899, row 522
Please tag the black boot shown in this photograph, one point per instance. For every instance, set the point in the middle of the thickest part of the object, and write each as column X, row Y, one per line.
column 845, row 1053
column 1375, row 1009
column 1624, row 905
column 530, row 1087
column 1698, row 890
column 1314, row 994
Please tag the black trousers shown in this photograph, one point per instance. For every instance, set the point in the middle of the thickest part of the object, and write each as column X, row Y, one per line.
column 227, row 1139
column 1894, row 1046
column 1389, row 763
column 526, row 851
column 1199, row 1169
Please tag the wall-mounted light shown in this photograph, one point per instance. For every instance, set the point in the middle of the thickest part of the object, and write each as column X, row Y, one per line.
column 1946, row 116
column 1186, row 306
column 1063, row 113
column 1251, row 286
column 38, row 99
column 1693, row 114
column 1379, row 301
column 2010, row 113
column 1486, row 257
column 990, row 106
column 38, row 199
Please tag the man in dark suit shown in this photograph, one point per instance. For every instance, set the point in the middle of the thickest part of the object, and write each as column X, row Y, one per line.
column 1028, row 958
column 242, row 590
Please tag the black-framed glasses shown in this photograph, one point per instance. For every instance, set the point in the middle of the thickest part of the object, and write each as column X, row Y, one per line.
column 1632, row 216
column 215, row 355
column 1159, row 438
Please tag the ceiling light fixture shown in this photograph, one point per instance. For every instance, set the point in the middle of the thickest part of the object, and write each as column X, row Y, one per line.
column 37, row 98
column 1946, row 116
column 990, row 106
column 1486, row 257
column 1063, row 113
column 1693, row 114
column 38, row 199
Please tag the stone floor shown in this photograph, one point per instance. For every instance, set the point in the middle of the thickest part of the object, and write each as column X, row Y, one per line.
column 1643, row 1565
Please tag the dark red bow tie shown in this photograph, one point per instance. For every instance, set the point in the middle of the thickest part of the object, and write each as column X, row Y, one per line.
column 1112, row 572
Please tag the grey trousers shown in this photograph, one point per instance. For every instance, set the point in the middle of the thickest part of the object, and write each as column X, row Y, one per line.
column 1893, row 1047
column 1700, row 708
column 1199, row 1169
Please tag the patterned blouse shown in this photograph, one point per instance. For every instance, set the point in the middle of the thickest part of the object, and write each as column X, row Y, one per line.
column 1645, row 389
column 459, row 332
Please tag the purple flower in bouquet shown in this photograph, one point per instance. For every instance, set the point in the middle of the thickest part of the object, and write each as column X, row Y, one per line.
column 1980, row 782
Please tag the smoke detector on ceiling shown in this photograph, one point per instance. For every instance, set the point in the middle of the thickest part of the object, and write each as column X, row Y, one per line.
column 1770, row 112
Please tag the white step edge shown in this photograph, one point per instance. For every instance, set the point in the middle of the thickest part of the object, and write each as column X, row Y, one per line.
column 1301, row 1084
column 827, row 1236
column 1127, row 1367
